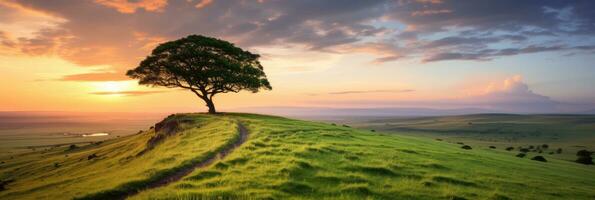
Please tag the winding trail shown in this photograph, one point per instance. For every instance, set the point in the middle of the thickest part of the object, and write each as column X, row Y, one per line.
column 187, row 170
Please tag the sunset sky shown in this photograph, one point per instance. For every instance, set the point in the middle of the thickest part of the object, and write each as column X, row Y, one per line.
column 514, row 56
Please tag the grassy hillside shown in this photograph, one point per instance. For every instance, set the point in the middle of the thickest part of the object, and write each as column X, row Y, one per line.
column 293, row 159
column 23, row 131
column 63, row 173
column 569, row 132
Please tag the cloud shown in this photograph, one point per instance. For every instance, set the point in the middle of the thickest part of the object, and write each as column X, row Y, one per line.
column 203, row 3
column 370, row 91
column 489, row 54
column 128, row 93
column 98, row 76
column 127, row 6
column 513, row 95
column 120, row 33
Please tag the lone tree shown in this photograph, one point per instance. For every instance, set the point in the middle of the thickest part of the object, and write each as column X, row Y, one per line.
column 204, row 65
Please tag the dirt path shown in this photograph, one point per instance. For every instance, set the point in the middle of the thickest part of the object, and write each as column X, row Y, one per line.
column 185, row 171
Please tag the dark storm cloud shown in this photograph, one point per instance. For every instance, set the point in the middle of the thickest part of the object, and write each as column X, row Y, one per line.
column 120, row 33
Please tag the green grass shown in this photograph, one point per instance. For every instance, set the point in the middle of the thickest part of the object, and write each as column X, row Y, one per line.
column 569, row 132
column 293, row 159
column 117, row 165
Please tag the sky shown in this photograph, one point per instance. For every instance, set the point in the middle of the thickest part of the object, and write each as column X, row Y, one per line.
column 528, row 56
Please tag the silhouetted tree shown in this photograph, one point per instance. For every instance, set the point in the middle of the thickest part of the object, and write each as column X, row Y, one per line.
column 204, row 65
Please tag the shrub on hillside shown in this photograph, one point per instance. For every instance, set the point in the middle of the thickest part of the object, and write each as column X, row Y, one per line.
column 584, row 157
column 539, row 158
column 521, row 155
column 559, row 151
column 3, row 183
column 544, row 146
column 92, row 156
column 509, row 148
column 524, row 150
column 466, row 147
column 492, row 147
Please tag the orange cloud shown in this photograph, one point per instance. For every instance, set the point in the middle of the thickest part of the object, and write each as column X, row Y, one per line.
column 146, row 41
column 127, row 93
column 126, row 6
column 100, row 76
column 203, row 3
column 429, row 12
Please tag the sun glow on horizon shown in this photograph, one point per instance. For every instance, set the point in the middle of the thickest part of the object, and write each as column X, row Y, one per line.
column 113, row 88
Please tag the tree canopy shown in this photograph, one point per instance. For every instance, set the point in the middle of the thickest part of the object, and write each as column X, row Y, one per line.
column 204, row 65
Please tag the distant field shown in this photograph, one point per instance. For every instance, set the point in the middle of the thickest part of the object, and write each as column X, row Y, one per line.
column 569, row 132
column 24, row 131
column 288, row 159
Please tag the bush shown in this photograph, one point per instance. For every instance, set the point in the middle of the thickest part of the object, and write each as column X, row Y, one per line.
column 521, row 155
column 539, row 158
column 585, row 160
column 524, row 150
column 509, row 148
column 492, row 147
column 544, row 146
column 559, row 151
column 583, row 153
column 72, row 147
column 92, row 156
column 584, row 157
column 3, row 183
column 466, row 147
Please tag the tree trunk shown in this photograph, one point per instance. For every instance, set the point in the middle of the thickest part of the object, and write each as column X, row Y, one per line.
column 211, row 106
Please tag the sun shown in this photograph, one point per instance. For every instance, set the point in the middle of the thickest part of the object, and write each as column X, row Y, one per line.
column 112, row 87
